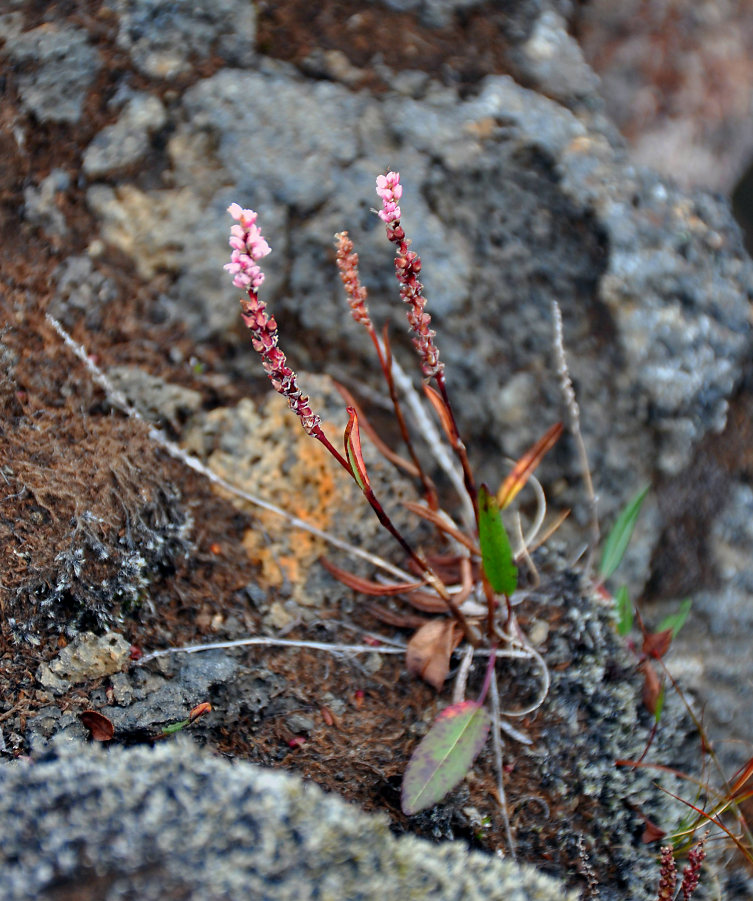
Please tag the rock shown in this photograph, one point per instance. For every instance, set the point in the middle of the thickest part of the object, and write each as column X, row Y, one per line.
column 165, row 39
column 265, row 452
column 155, row 398
column 168, row 821
column 88, row 656
column 128, row 140
column 56, row 68
column 40, row 208
column 553, row 60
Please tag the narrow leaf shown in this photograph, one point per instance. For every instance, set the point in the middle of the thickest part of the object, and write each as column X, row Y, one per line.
column 444, row 755
column 363, row 423
column 624, row 611
column 652, row 688
column 675, row 621
column 526, row 465
column 659, row 704
column 435, row 398
column 366, row 586
column 496, row 553
column 619, row 538
column 353, row 451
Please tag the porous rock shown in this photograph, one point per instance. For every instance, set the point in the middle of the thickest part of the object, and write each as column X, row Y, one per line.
column 169, row 821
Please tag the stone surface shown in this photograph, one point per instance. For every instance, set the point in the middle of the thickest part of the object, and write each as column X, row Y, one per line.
column 128, row 140
column 171, row 822
column 165, row 39
column 88, row 656
column 56, row 68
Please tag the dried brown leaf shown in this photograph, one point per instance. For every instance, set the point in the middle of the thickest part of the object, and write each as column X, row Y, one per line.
column 100, row 728
column 429, row 650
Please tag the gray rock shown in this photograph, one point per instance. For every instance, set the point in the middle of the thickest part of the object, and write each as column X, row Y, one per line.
column 165, row 39
column 80, row 289
column 127, row 140
column 434, row 13
column 512, row 201
column 55, row 69
column 155, row 398
column 171, row 822
column 39, row 203
column 88, row 656
column 554, row 62
column 146, row 702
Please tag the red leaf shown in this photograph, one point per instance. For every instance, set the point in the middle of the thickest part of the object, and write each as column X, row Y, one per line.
column 100, row 728
column 651, row 687
column 429, row 650
column 656, row 644
column 199, row 710
column 443, row 413
column 366, row 586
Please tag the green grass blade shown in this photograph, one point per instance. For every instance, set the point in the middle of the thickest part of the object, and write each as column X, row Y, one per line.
column 444, row 755
column 496, row 553
column 619, row 538
column 624, row 611
column 675, row 621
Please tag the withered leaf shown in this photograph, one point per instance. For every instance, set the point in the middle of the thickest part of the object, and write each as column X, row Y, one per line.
column 429, row 650
column 656, row 644
column 100, row 728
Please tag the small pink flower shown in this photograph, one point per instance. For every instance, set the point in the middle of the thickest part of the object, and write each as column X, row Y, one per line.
column 390, row 190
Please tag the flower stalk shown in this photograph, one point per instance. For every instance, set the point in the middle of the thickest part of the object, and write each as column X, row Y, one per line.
column 407, row 271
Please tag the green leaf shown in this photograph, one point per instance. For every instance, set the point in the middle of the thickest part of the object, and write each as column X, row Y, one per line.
column 496, row 553
column 659, row 704
column 619, row 538
column 624, row 611
column 175, row 727
column 675, row 621
column 444, row 755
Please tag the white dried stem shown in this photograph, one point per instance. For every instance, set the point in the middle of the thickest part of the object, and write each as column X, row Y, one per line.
column 498, row 764
column 433, row 439
column 573, row 410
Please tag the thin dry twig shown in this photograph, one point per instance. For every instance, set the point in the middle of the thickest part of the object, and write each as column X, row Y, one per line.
column 573, row 410
column 498, row 764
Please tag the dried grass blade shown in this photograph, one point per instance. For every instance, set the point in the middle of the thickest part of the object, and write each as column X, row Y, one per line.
column 527, row 464
column 366, row 586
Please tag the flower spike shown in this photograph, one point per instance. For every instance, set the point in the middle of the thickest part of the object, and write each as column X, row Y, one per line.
column 249, row 246
column 407, row 269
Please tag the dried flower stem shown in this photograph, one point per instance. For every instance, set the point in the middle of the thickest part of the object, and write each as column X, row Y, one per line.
column 566, row 386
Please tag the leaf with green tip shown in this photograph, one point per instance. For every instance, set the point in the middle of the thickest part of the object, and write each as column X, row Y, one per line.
column 619, row 538
column 444, row 755
column 496, row 553
column 659, row 705
column 675, row 621
column 624, row 611
column 352, row 440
